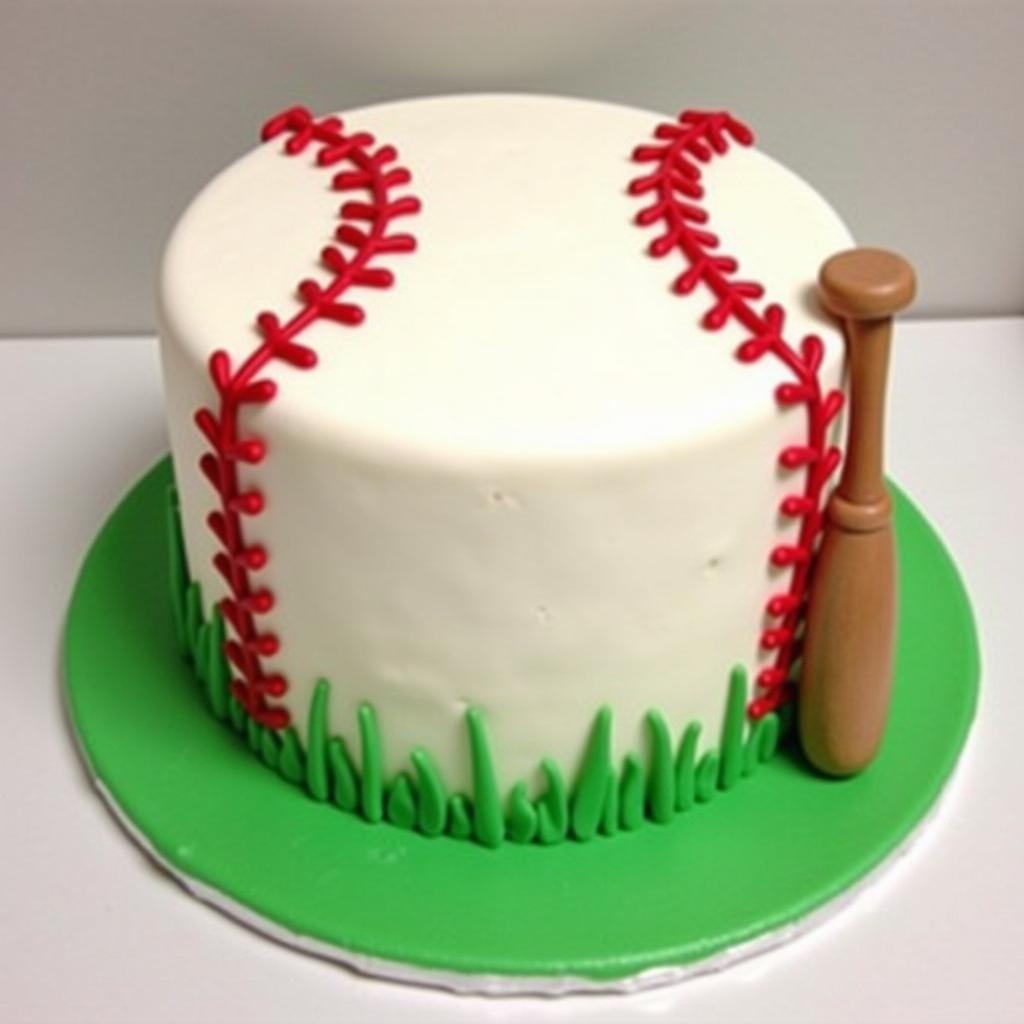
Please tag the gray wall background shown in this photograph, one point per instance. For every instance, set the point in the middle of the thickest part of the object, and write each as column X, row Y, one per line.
column 906, row 114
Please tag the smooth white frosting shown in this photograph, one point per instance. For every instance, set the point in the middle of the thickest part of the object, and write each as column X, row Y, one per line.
column 530, row 481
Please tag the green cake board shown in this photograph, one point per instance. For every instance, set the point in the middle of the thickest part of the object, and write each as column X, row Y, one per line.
column 632, row 910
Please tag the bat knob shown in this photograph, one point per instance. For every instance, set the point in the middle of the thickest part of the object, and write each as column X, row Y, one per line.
column 866, row 284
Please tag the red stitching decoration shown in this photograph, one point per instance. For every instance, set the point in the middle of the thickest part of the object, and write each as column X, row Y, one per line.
column 673, row 186
column 363, row 234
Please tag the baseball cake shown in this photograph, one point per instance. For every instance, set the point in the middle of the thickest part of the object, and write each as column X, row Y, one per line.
column 527, row 518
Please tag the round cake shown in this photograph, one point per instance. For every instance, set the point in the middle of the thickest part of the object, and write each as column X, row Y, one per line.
column 504, row 522
column 509, row 417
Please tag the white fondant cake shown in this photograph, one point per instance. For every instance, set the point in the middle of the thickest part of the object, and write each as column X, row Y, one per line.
column 530, row 482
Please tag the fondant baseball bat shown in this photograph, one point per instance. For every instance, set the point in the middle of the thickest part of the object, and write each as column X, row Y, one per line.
column 848, row 642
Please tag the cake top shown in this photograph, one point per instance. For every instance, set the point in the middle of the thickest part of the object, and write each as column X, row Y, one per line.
column 531, row 323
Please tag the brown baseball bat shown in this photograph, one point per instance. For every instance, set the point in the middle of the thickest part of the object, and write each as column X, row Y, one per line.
column 851, row 617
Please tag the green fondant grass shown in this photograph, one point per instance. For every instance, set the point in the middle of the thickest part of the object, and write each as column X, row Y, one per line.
column 707, row 775
column 433, row 802
column 603, row 800
column 552, row 805
column 316, row 742
column 218, row 676
column 292, row 762
column 193, row 616
column 346, row 783
column 589, row 795
column 177, row 567
column 460, row 825
column 610, row 814
column 488, row 820
column 270, row 751
column 631, row 793
column 731, row 757
column 433, row 810
column 236, row 715
column 522, row 815
column 373, row 765
column 401, row 802
column 662, row 795
column 686, row 767
column 254, row 735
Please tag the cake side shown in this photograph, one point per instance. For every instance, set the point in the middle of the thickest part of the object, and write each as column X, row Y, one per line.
column 610, row 552
column 675, row 773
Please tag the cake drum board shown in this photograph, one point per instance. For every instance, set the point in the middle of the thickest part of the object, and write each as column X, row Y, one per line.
column 733, row 877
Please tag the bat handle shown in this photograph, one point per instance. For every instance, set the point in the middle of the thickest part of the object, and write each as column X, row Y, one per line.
column 850, row 628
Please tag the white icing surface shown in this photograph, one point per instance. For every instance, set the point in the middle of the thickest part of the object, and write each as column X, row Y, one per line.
column 530, row 481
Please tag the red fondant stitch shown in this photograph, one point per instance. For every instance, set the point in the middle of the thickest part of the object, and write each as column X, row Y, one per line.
column 237, row 387
column 675, row 191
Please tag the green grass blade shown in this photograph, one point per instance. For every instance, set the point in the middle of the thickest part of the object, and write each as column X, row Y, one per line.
column 203, row 659
column 269, row 749
column 707, row 777
column 662, row 789
column 373, row 764
column 316, row 741
column 178, row 565
column 686, row 767
column 553, row 805
column 401, row 803
column 610, row 814
column 588, row 797
column 252, row 734
column 460, row 821
column 761, row 743
column 193, row 619
column 488, row 819
column 522, row 816
column 433, row 798
column 343, row 771
column 236, row 715
column 291, row 765
column 217, row 670
column 631, row 793
column 731, row 746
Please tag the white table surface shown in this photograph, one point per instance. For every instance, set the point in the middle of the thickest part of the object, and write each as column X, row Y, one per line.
column 91, row 931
